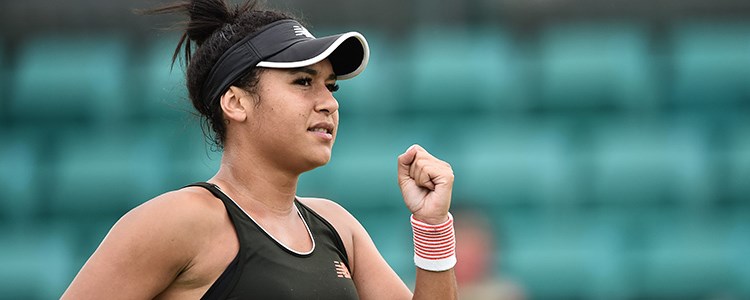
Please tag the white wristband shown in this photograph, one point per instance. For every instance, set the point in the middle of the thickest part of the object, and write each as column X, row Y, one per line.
column 434, row 245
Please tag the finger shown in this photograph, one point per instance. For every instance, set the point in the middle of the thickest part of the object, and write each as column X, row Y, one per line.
column 407, row 158
column 443, row 178
column 424, row 178
column 416, row 172
column 420, row 155
column 423, row 153
column 405, row 162
column 428, row 173
column 413, row 168
column 440, row 175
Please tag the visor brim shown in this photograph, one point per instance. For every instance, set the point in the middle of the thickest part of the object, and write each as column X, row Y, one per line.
column 347, row 52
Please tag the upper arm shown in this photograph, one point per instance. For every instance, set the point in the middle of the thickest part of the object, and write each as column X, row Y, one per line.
column 142, row 254
column 372, row 275
column 374, row 278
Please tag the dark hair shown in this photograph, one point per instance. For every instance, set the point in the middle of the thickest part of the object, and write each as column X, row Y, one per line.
column 212, row 28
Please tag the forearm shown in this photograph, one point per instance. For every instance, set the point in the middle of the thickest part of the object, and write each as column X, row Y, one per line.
column 435, row 285
column 434, row 249
column 426, row 184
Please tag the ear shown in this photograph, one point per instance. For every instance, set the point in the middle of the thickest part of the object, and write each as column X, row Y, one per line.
column 233, row 105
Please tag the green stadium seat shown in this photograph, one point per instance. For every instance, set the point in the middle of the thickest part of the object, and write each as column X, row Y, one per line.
column 596, row 66
column 36, row 263
column 738, row 246
column 687, row 255
column 379, row 89
column 366, row 178
column 316, row 183
column 4, row 77
column 192, row 158
column 570, row 255
column 84, row 234
column 515, row 161
column 362, row 170
column 711, row 64
column 637, row 162
column 70, row 77
column 18, row 175
column 738, row 162
column 164, row 92
column 391, row 232
column 453, row 70
column 107, row 170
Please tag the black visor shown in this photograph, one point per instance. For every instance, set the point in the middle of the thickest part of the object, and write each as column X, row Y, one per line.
column 286, row 44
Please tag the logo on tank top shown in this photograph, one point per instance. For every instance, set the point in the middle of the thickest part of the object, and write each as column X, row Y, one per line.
column 341, row 270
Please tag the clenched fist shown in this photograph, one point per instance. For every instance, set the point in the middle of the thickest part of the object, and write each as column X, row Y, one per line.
column 426, row 184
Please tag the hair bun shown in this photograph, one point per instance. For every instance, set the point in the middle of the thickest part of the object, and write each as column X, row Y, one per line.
column 206, row 16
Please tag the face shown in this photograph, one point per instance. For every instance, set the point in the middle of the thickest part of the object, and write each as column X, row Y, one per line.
column 295, row 119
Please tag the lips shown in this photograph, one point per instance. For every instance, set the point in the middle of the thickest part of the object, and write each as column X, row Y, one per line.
column 322, row 127
column 323, row 131
column 318, row 129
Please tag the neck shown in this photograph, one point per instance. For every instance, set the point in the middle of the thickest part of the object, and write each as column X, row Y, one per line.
column 252, row 180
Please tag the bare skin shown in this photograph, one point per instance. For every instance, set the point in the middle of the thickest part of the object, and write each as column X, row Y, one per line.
column 176, row 245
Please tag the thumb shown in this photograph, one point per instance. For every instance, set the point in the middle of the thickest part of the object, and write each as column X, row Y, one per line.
column 404, row 162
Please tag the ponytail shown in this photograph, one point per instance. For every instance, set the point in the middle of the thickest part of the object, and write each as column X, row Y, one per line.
column 211, row 29
column 205, row 18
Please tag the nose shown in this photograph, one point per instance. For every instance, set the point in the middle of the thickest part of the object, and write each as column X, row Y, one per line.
column 326, row 102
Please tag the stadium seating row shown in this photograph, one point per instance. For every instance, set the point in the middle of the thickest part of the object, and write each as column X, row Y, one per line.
column 567, row 67
column 611, row 164
column 577, row 254
column 547, row 162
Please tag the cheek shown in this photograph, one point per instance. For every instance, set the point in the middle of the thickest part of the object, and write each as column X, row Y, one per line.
column 286, row 117
column 283, row 113
column 267, row 119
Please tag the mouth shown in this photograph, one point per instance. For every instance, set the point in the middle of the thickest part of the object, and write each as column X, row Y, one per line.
column 323, row 129
column 320, row 130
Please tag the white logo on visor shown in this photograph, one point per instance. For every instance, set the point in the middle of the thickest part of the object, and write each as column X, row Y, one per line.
column 299, row 30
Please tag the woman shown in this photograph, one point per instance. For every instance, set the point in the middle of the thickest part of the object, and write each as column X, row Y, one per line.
column 264, row 85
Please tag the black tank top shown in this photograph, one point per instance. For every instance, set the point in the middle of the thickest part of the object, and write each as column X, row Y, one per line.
column 266, row 269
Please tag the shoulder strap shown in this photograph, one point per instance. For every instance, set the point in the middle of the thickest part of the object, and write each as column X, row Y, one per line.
column 211, row 188
column 235, row 212
column 221, row 288
column 334, row 234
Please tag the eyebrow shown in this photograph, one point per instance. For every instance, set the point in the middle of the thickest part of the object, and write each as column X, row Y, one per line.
column 310, row 71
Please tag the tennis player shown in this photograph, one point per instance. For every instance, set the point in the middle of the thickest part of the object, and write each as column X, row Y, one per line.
column 265, row 85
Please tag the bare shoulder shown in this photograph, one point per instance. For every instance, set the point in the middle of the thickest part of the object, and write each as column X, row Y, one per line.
column 174, row 228
column 177, row 216
column 150, row 246
column 193, row 204
column 187, row 209
column 330, row 210
column 322, row 204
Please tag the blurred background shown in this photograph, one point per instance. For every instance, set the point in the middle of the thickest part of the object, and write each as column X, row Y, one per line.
column 601, row 148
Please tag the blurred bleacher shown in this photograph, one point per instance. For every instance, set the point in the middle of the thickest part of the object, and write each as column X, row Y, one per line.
column 612, row 157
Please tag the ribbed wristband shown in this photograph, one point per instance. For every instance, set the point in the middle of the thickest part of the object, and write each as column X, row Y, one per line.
column 434, row 245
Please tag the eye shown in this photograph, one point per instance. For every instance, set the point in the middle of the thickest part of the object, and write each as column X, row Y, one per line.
column 305, row 81
column 332, row 87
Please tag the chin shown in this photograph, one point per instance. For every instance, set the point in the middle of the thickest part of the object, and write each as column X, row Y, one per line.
column 317, row 162
column 322, row 161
